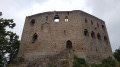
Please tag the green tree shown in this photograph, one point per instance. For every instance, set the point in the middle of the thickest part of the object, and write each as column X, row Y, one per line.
column 117, row 54
column 9, row 42
column 79, row 62
column 109, row 62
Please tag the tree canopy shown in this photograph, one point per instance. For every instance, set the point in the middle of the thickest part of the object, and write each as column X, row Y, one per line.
column 117, row 54
column 9, row 42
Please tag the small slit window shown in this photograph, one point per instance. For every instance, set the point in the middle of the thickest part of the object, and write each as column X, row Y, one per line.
column 92, row 34
column 103, row 26
column 85, row 20
column 64, row 32
column 66, row 19
column 68, row 13
column 105, row 39
column 34, row 38
column 91, row 22
column 97, row 25
column 32, row 22
column 86, row 32
column 46, row 18
column 56, row 18
column 98, row 36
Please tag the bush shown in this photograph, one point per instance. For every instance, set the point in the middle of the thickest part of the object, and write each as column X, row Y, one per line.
column 117, row 54
column 65, row 63
column 79, row 62
column 108, row 62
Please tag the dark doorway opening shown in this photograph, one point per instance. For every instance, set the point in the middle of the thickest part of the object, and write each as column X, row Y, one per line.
column 69, row 44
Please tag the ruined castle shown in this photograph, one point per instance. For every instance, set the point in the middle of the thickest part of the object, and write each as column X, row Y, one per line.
column 63, row 34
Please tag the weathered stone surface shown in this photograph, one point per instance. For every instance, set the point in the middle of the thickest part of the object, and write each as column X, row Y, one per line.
column 42, row 37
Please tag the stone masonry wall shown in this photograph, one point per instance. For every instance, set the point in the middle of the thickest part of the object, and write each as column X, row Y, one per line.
column 50, row 33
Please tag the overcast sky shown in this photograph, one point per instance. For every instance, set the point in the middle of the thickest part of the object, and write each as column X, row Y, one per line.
column 107, row 10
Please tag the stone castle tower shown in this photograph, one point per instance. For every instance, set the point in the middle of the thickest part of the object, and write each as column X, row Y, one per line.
column 50, row 33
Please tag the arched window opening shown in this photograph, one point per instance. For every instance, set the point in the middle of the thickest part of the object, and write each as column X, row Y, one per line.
column 86, row 20
column 34, row 38
column 105, row 39
column 56, row 18
column 66, row 19
column 69, row 44
column 92, row 34
column 86, row 32
column 97, row 25
column 91, row 22
column 98, row 36
column 32, row 22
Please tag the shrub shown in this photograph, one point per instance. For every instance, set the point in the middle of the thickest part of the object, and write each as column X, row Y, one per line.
column 109, row 62
column 79, row 62
column 65, row 63
column 117, row 54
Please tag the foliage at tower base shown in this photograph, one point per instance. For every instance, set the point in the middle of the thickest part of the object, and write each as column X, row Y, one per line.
column 117, row 54
column 107, row 62
column 9, row 42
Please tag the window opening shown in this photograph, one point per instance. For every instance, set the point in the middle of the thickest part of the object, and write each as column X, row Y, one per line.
column 64, row 32
column 91, row 22
column 66, row 19
column 69, row 44
column 99, row 37
column 68, row 13
column 46, row 18
column 32, row 22
column 97, row 25
column 35, row 36
column 92, row 34
column 86, row 20
column 56, row 18
column 86, row 32
column 105, row 38
column 103, row 26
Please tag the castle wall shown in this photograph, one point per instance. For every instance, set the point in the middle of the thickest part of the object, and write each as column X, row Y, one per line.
column 50, row 37
column 96, row 47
